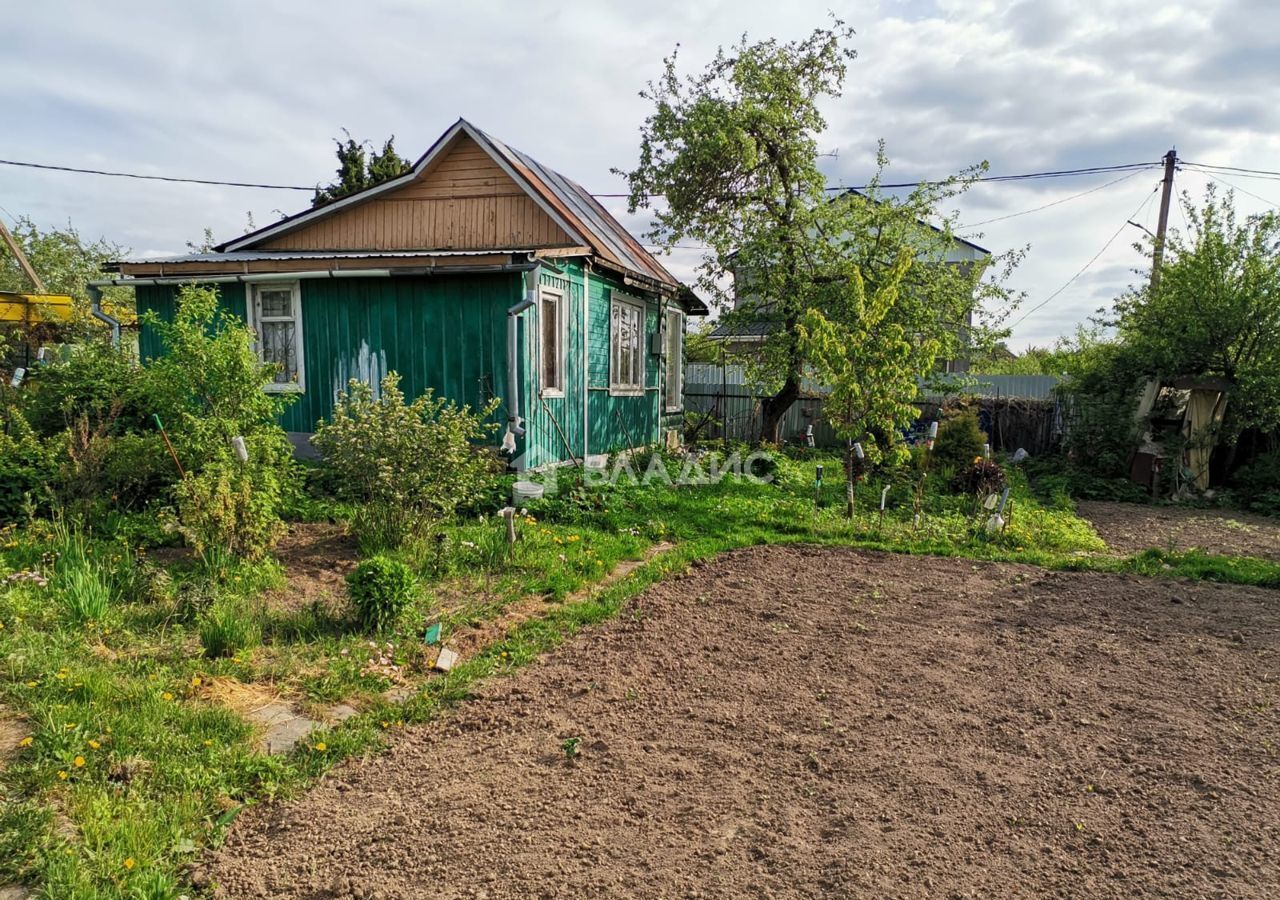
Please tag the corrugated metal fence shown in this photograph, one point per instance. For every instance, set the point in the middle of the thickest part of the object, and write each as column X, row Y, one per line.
column 728, row 405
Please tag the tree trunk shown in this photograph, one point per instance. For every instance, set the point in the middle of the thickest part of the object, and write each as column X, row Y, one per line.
column 773, row 409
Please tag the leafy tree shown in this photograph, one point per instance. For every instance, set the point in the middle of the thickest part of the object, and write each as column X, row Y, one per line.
column 1031, row 361
column 734, row 151
column 1216, row 311
column 359, row 169
column 699, row 347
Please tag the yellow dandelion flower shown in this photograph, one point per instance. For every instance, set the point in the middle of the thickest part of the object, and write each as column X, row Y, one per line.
column 94, row 745
column 61, row 675
column 26, row 741
column 78, row 762
column 208, row 743
column 195, row 681
column 166, row 696
column 129, row 863
column 33, row 684
column 70, row 725
column 321, row 747
column 62, row 775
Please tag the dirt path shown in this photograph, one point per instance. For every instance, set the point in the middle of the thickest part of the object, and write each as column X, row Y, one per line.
column 1129, row 528
column 798, row 722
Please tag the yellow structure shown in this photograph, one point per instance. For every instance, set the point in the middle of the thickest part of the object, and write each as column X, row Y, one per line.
column 33, row 309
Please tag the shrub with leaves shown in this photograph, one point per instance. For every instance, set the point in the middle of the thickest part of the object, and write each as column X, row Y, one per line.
column 381, row 590
column 1257, row 485
column 227, row 510
column 27, row 464
column 408, row 463
column 960, row 439
column 981, row 478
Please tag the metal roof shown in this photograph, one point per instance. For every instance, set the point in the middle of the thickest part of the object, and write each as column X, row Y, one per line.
column 606, row 234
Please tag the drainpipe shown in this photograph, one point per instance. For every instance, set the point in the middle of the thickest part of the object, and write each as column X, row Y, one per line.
column 95, row 298
column 514, row 422
column 586, row 361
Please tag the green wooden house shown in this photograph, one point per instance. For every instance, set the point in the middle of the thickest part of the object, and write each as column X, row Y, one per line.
column 480, row 273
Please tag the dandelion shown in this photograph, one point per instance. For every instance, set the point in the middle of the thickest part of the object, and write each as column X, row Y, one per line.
column 33, row 684
column 208, row 743
column 195, row 681
column 94, row 745
column 70, row 725
column 26, row 741
column 62, row 775
column 166, row 696
column 78, row 762
column 321, row 747
column 129, row 863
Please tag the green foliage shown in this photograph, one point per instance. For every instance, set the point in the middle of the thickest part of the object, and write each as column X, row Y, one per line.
column 230, row 625
column 27, row 465
column 408, row 463
column 1216, row 311
column 960, row 440
column 1256, row 486
column 381, row 590
column 980, row 478
column 358, row 170
column 228, row 510
column 97, row 382
column 209, row 386
column 734, row 151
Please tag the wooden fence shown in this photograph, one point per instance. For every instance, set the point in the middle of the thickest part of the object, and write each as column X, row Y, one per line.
column 1016, row 410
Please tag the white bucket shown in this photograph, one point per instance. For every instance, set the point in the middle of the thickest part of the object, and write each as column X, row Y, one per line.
column 524, row 491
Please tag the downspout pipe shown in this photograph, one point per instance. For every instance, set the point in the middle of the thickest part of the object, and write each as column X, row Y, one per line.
column 514, row 421
column 95, row 299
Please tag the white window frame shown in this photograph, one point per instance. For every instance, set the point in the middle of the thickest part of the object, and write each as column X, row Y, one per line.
column 636, row 387
column 256, row 318
column 557, row 297
column 673, row 362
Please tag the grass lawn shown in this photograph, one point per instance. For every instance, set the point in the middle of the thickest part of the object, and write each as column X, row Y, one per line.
column 129, row 759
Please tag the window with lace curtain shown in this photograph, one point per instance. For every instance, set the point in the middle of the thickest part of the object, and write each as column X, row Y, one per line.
column 276, row 308
column 626, row 345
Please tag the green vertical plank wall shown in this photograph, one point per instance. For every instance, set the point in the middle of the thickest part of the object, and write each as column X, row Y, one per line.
column 447, row 333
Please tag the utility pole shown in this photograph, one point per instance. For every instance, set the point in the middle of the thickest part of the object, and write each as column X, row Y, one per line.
column 1166, row 194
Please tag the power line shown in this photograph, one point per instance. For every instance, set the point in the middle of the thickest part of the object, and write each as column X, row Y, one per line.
column 1086, row 266
column 1236, row 187
column 169, row 178
column 1026, row 212
column 1262, row 173
column 173, row 179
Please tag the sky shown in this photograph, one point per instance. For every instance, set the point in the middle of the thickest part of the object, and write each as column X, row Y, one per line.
column 256, row 91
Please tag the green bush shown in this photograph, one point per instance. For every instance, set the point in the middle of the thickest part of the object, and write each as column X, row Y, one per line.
column 1256, row 486
column 136, row 469
column 381, row 590
column 97, row 382
column 408, row 463
column 27, row 464
column 959, row 441
column 229, row 625
column 228, row 510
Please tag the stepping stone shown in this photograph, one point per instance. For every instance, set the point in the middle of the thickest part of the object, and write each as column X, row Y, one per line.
column 14, row 892
column 282, row 726
column 340, row 713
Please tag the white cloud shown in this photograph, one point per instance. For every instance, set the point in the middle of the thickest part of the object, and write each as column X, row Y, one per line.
column 254, row 92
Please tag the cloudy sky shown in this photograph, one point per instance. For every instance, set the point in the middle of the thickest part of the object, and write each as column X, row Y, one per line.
column 254, row 91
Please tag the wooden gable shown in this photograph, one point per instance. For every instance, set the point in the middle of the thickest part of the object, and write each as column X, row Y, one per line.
column 462, row 201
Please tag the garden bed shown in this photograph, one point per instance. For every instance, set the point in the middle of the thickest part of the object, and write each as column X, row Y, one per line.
column 792, row 721
column 1131, row 528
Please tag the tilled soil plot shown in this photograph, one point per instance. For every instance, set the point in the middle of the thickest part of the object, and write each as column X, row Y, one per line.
column 1131, row 527
column 800, row 722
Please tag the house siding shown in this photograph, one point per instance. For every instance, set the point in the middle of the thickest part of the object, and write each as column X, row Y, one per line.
column 446, row 333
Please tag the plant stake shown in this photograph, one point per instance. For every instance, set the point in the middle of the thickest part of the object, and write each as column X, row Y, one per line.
column 164, row 434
